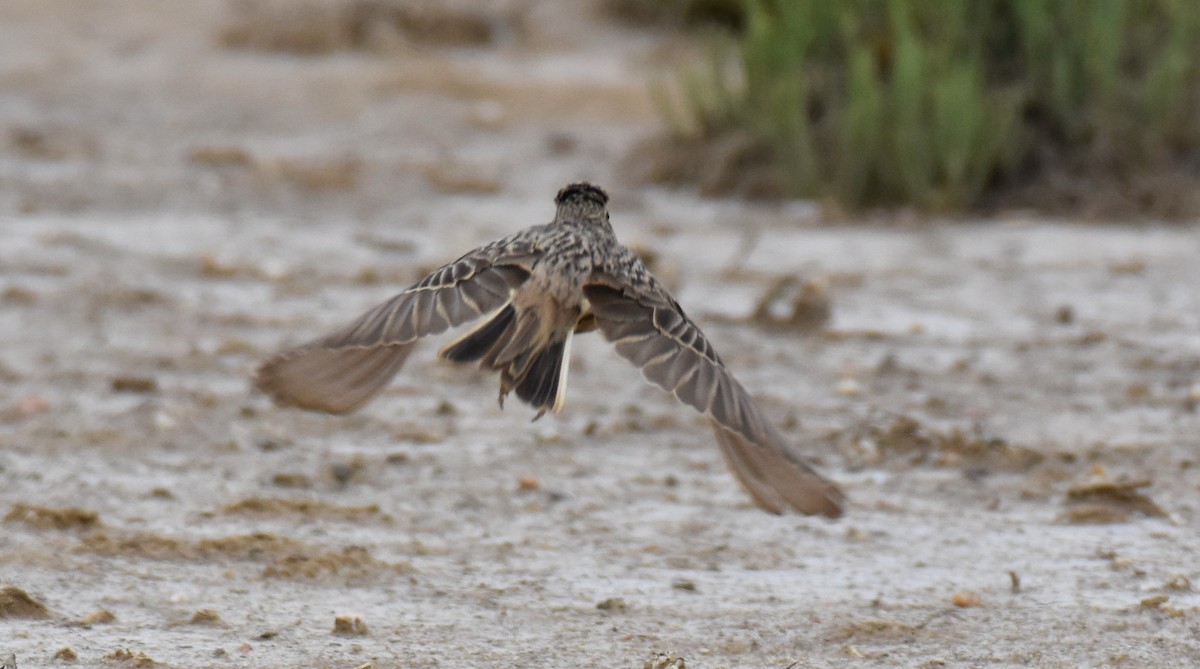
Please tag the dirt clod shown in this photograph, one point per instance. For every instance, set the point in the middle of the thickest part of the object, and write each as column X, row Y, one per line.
column 97, row 617
column 1179, row 582
column 16, row 603
column 205, row 617
column 350, row 624
column 665, row 661
column 612, row 604
column 128, row 658
column 133, row 384
column 1102, row 501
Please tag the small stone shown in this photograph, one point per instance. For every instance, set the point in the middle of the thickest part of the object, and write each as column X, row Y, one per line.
column 528, row 482
column 966, row 599
column 684, row 584
column 848, row 387
column 133, row 384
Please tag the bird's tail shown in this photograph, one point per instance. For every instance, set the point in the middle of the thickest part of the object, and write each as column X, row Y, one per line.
column 515, row 344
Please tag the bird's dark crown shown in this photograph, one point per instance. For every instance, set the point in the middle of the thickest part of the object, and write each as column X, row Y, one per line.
column 580, row 191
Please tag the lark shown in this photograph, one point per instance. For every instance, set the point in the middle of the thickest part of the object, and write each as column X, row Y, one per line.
column 532, row 292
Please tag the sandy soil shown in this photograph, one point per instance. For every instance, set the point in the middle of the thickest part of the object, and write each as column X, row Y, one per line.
column 1011, row 405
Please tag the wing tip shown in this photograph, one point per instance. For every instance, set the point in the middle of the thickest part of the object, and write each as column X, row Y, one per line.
column 777, row 482
column 336, row 381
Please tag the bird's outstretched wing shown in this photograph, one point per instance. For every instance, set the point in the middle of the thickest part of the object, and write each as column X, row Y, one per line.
column 649, row 329
column 342, row 371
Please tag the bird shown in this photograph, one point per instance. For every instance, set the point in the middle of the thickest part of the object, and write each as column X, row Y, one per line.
column 531, row 293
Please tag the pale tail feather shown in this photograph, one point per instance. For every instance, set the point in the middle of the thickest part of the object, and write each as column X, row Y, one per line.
column 545, row 385
column 508, row 342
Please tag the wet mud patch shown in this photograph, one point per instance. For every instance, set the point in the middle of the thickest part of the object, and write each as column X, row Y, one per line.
column 281, row 557
column 380, row 26
column 46, row 518
column 304, row 508
column 904, row 440
column 257, row 547
column 123, row 657
column 351, row 564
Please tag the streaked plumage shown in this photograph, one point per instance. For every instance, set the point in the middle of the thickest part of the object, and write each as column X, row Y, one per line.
column 532, row 291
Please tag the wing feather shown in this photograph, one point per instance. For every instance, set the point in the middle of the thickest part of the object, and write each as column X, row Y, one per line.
column 648, row 328
column 342, row 371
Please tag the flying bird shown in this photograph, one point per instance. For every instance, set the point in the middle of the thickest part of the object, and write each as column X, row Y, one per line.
column 532, row 292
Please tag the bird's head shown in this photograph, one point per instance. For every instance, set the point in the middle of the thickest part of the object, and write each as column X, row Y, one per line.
column 581, row 191
column 581, row 202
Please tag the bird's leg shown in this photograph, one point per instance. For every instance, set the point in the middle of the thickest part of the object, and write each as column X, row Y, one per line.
column 505, row 386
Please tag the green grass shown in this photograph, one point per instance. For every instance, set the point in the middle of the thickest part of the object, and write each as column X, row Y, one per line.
column 938, row 102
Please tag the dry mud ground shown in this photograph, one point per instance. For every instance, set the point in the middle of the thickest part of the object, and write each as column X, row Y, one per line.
column 1010, row 405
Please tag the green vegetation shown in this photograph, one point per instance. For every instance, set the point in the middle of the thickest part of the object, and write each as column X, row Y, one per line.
column 937, row 102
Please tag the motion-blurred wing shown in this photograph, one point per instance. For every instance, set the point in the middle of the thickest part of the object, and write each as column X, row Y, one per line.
column 649, row 329
column 342, row 371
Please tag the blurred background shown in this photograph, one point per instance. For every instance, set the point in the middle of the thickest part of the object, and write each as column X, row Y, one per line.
column 1071, row 108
